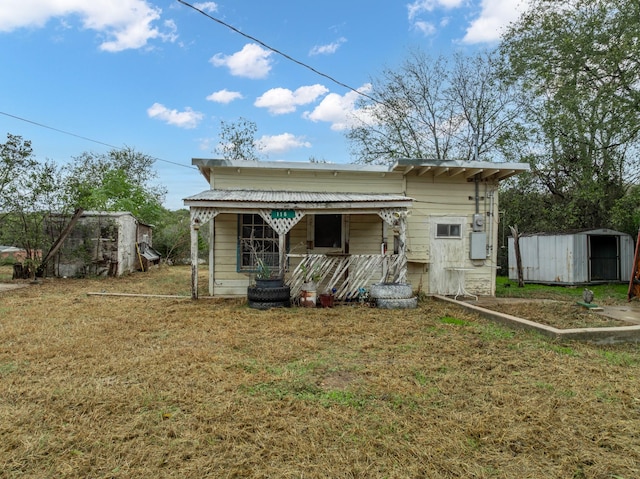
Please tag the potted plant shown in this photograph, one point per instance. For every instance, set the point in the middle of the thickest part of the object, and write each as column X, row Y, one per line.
column 269, row 290
column 266, row 277
column 308, row 290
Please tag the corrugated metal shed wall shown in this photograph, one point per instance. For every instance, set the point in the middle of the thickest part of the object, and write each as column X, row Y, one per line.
column 564, row 258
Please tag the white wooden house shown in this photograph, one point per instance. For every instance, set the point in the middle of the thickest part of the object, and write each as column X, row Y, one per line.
column 430, row 223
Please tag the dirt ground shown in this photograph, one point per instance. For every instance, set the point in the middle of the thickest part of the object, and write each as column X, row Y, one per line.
column 115, row 387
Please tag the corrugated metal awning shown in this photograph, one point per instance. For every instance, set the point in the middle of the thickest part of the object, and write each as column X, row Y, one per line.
column 296, row 199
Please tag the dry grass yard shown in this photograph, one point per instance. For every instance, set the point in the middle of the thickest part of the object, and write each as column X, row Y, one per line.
column 131, row 387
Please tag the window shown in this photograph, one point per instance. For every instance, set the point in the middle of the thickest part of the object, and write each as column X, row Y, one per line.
column 257, row 241
column 328, row 231
column 448, row 230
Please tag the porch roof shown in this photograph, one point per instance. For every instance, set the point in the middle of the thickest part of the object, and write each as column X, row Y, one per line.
column 306, row 200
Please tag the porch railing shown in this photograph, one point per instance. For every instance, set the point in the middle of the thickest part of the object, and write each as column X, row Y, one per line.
column 346, row 273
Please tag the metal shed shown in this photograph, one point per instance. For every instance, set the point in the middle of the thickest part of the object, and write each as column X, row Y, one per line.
column 584, row 257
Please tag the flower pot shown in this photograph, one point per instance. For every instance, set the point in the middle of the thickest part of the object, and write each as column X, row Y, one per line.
column 270, row 283
column 308, row 295
column 326, row 300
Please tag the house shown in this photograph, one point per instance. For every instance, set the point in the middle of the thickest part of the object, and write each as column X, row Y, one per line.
column 572, row 258
column 430, row 223
column 105, row 243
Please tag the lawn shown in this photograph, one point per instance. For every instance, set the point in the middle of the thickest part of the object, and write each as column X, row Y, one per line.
column 134, row 387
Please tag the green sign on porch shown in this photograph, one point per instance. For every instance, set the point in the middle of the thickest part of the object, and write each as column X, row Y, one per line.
column 278, row 214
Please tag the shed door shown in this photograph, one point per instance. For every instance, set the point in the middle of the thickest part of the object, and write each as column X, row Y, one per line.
column 604, row 258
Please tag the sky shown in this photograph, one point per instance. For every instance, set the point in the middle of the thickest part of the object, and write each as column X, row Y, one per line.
column 159, row 76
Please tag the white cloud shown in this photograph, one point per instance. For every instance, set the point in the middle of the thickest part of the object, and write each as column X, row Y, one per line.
column 338, row 110
column 126, row 24
column 419, row 7
column 327, row 49
column 426, row 28
column 207, row 6
column 282, row 100
column 279, row 144
column 183, row 119
column 225, row 96
column 251, row 62
column 494, row 17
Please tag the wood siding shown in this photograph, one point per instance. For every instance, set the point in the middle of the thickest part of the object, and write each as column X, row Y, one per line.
column 434, row 197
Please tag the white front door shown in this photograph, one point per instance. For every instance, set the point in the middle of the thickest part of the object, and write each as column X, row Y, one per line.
column 447, row 249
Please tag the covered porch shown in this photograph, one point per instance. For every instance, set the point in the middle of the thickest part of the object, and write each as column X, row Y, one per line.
column 338, row 269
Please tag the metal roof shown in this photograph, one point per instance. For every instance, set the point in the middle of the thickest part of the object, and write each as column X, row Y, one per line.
column 306, row 199
column 485, row 170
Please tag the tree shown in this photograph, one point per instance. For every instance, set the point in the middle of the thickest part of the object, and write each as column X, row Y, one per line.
column 237, row 140
column 577, row 65
column 434, row 109
column 36, row 198
column 120, row 180
column 172, row 238
column 16, row 159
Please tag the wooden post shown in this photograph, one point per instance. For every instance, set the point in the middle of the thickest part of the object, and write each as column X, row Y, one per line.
column 195, row 226
column 282, row 254
column 402, row 249
column 516, row 248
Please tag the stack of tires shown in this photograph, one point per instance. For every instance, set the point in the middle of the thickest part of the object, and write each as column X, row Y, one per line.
column 393, row 296
column 267, row 294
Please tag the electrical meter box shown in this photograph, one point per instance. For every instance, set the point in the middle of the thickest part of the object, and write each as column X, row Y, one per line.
column 478, row 222
column 478, row 246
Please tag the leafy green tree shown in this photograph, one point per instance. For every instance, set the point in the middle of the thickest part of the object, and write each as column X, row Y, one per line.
column 121, row 180
column 237, row 140
column 438, row 109
column 16, row 159
column 37, row 198
column 577, row 65
column 172, row 237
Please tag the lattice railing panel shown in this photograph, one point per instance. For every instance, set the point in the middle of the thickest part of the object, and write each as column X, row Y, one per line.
column 344, row 273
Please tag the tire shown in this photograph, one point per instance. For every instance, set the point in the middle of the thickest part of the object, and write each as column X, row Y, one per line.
column 264, row 305
column 267, row 295
column 397, row 303
column 390, row 291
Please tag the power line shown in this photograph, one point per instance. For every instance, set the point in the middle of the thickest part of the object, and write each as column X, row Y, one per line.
column 42, row 125
column 275, row 50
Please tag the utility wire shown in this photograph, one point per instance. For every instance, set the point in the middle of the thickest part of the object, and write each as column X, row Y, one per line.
column 42, row 125
column 275, row 50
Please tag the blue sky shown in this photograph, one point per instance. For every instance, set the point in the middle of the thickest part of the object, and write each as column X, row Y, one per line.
column 158, row 76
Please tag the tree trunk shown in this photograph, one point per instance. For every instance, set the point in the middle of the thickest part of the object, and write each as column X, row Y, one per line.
column 516, row 248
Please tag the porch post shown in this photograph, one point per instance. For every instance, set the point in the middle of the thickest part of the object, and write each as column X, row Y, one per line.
column 402, row 248
column 282, row 225
column 282, row 256
column 212, row 257
column 195, row 226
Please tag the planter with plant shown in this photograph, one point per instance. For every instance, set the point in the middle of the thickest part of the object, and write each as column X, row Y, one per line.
column 309, row 288
column 269, row 290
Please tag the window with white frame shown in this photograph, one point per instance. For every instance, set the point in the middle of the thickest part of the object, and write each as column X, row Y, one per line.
column 256, row 241
column 446, row 230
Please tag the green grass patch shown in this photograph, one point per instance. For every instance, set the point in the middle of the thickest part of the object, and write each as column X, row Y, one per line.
column 454, row 321
column 505, row 288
